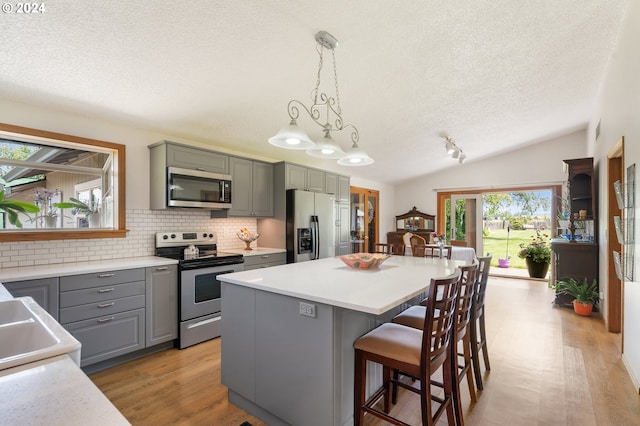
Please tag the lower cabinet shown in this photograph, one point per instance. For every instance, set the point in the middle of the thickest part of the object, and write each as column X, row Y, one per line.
column 113, row 313
column 264, row 260
column 44, row 291
column 109, row 336
column 162, row 304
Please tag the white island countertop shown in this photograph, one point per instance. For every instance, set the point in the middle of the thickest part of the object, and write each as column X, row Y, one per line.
column 330, row 281
column 75, row 268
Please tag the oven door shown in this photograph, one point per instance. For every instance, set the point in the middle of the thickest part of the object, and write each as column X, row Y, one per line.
column 200, row 290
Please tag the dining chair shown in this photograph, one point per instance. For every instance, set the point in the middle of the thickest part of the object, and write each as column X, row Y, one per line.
column 477, row 329
column 419, row 354
column 389, row 248
column 415, row 242
column 459, row 243
column 414, row 317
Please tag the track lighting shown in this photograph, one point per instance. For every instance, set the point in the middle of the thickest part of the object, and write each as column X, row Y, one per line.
column 454, row 150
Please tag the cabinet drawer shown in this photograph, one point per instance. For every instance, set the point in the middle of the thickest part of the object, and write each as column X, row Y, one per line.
column 263, row 265
column 109, row 336
column 101, row 294
column 103, row 278
column 276, row 258
column 101, row 309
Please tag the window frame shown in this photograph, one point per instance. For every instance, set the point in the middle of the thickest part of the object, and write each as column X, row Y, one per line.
column 119, row 158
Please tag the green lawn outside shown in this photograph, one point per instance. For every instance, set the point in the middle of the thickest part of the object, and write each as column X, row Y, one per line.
column 496, row 244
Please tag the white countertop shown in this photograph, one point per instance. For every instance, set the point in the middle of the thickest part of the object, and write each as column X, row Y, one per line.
column 76, row 268
column 52, row 392
column 331, row 282
column 256, row 251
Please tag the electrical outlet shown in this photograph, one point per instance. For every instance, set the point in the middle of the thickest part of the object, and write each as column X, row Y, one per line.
column 602, row 295
column 307, row 309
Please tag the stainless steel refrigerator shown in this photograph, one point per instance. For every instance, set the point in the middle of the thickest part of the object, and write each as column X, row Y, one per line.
column 310, row 226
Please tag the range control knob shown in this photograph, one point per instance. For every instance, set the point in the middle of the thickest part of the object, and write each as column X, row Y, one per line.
column 204, row 235
column 165, row 237
column 173, row 236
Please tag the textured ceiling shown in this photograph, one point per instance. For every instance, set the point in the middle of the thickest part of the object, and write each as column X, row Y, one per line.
column 494, row 75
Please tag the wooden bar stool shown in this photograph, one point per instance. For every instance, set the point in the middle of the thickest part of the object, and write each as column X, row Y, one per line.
column 477, row 329
column 414, row 317
column 407, row 349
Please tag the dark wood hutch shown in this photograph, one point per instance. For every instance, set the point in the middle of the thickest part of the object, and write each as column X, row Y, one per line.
column 578, row 259
column 413, row 221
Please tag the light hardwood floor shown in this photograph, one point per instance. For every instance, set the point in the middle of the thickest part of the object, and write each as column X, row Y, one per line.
column 548, row 367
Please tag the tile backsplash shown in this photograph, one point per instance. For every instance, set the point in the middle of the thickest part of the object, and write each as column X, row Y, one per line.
column 140, row 239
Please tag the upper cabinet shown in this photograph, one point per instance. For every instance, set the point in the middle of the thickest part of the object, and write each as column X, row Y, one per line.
column 252, row 188
column 300, row 177
column 194, row 158
column 338, row 186
column 581, row 188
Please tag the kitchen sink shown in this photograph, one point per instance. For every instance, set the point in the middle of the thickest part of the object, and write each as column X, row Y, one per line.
column 28, row 333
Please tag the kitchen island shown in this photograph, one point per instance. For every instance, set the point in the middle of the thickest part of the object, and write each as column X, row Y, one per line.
column 288, row 332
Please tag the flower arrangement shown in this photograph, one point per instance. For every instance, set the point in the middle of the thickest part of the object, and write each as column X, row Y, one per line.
column 538, row 250
column 437, row 238
column 44, row 201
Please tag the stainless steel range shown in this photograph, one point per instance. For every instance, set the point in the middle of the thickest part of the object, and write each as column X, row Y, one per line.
column 199, row 265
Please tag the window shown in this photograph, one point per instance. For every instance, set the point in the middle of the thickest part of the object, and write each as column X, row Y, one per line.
column 45, row 169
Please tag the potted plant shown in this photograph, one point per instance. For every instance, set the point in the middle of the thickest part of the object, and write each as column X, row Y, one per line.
column 585, row 295
column 12, row 208
column 537, row 254
column 91, row 211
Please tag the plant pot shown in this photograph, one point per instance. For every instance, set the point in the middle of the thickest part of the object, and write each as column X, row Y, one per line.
column 537, row 269
column 583, row 309
column 503, row 263
column 50, row 221
column 95, row 220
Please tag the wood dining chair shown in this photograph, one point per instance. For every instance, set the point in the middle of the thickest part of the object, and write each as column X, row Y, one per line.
column 419, row 354
column 461, row 348
column 477, row 329
column 389, row 248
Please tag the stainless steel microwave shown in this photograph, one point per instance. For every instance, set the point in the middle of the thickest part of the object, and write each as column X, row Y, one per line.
column 196, row 188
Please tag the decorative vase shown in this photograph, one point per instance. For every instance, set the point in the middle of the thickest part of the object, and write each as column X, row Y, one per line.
column 537, row 269
column 95, row 220
column 583, row 309
column 503, row 263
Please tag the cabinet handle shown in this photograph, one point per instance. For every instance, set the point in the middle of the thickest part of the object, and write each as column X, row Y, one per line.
column 106, row 319
column 105, row 290
column 106, row 305
column 162, row 268
column 106, row 275
column 201, row 169
column 265, row 256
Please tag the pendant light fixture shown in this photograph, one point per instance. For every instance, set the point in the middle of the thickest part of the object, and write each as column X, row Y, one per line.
column 326, row 113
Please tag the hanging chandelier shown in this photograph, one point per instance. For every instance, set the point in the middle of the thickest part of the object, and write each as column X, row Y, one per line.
column 326, row 113
column 454, row 151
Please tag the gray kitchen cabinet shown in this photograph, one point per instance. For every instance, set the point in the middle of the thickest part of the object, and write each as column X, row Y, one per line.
column 300, row 177
column 343, row 229
column 252, row 188
column 108, row 337
column 105, row 311
column 161, row 316
column 264, row 260
column 195, row 158
column 44, row 291
column 338, row 186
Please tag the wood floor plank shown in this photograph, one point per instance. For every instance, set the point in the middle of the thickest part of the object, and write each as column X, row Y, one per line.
column 548, row 367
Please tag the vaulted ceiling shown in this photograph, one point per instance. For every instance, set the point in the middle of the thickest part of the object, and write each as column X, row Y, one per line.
column 493, row 74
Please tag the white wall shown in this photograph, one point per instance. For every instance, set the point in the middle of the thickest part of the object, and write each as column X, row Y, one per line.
column 536, row 164
column 618, row 108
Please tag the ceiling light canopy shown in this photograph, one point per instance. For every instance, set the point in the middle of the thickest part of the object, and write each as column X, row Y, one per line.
column 454, row 150
column 327, row 108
